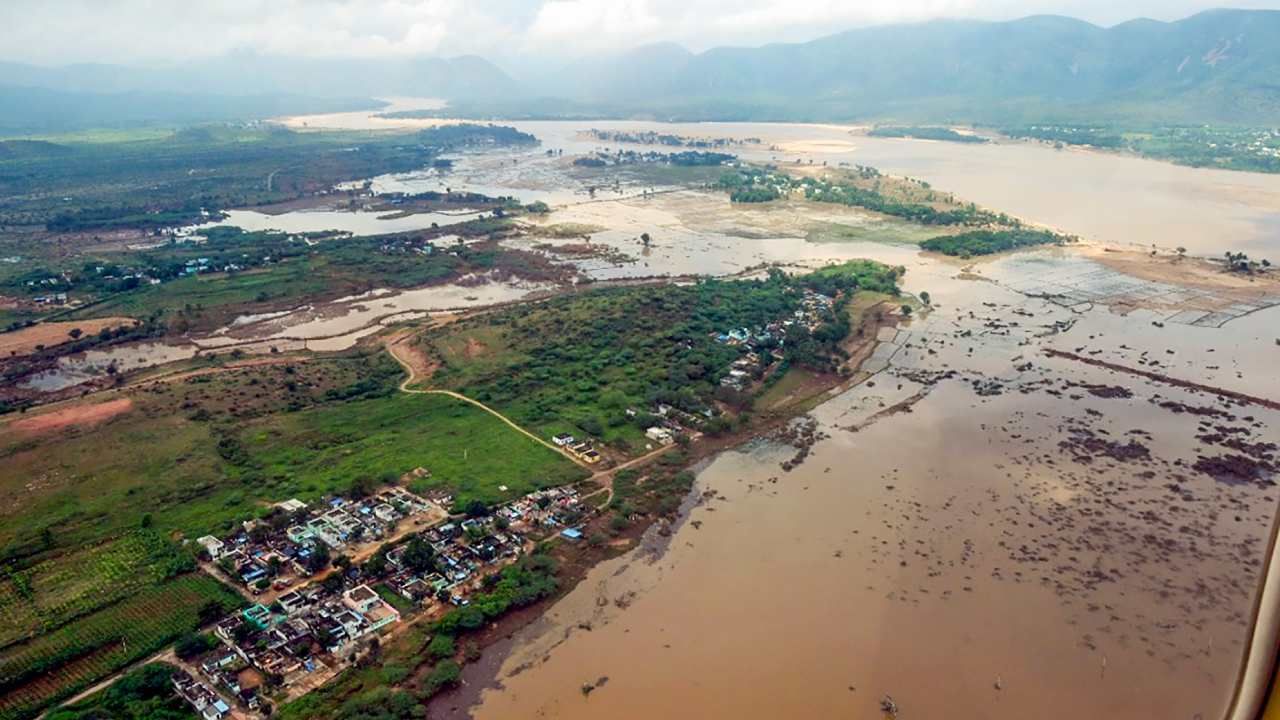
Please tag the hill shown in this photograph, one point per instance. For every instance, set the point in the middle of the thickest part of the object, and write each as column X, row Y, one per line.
column 1218, row 66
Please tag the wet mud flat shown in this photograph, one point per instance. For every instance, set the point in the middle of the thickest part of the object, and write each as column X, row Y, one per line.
column 1088, row 541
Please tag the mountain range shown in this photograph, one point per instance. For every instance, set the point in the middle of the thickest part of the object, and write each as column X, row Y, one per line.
column 1221, row 65
column 1217, row 66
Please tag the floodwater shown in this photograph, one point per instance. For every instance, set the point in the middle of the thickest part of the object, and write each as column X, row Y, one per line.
column 73, row 370
column 1101, row 197
column 1031, row 538
column 339, row 324
column 356, row 222
column 986, row 531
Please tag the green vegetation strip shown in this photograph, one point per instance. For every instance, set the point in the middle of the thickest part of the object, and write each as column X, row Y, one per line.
column 577, row 363
column 988, row 242
column 143, row 694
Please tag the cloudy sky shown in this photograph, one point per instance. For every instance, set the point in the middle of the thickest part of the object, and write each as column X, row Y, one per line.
column 50, row 32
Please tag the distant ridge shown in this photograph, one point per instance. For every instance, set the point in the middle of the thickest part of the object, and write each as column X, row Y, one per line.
column 1220, row 65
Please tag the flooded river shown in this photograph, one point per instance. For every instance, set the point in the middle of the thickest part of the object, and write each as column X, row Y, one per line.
column 986, row 532
column 1053, row 499
column 1102, row 197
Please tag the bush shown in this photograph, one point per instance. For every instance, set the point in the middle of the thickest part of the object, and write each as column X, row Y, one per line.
column 193, row 644
column 440, row 647
column 393, row 674
column 445, row 674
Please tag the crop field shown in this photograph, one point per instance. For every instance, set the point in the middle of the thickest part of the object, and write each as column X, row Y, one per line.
column 41, row 671
column 219, row 296
column 60, row 589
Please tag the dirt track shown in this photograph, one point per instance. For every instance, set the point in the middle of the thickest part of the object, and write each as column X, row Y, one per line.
column 397, row 349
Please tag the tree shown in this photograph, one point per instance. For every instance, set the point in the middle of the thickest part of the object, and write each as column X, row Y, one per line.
column 906, row 311
column 418, row 555
column 441, row 647
column 924, row 297
column 645, row 239
column 75, row 333
column 319, row 558
column 193, row 644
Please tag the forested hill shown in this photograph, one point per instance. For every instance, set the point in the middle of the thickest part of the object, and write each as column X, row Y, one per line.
column 1218, row 66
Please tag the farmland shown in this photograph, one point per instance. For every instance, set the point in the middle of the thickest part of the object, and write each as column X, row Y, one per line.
column 58, row 590
column 218, row 444
column 58, row 664
column 79, row 487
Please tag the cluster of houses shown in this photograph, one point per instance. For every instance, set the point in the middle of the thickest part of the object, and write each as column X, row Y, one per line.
column 581, row 449
column 763, row 343
column 53, row 299
column 320, row 626
column 268, row 551
column 207, row 703
column 302, row 632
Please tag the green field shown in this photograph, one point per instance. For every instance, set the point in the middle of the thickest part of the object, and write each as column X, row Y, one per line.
column 217, row 296
column 306, row 429
column 58, row 590
column 467, row 450
column 56, row 665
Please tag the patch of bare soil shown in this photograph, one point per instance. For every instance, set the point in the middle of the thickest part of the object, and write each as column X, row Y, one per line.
column 48, row 334
column 474, row 348
column 421, row 366
column 80, row 415
column 1188, row 272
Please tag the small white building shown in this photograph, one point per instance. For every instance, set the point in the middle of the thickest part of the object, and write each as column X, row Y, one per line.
column 659, row 435
column 212, row 545
column 292, row 505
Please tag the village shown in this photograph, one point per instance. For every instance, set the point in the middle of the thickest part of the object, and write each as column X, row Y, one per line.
column 764, row 345
column 325, row 580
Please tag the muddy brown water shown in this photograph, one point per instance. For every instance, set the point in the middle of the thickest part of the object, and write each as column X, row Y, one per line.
column 1102, row 197
column 1016, row 545
column 1030, row 537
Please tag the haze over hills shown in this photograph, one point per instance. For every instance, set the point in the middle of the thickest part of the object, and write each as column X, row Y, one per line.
column 239, row 86
column 1217, row 66
column 1220, row 65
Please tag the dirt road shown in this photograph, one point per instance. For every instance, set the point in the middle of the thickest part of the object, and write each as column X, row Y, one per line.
column 397, row 350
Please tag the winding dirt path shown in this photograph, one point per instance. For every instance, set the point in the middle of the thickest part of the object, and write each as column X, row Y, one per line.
column 397, row 350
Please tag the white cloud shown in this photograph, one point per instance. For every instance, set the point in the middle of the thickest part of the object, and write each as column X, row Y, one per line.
column 159, row 31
